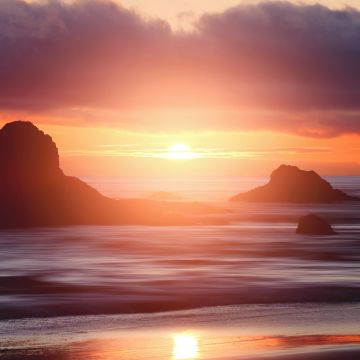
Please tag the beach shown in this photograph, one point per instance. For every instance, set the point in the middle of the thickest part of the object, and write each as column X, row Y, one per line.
column 292, row 331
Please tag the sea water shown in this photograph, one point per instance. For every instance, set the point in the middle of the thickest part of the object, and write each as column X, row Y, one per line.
column 256, row 259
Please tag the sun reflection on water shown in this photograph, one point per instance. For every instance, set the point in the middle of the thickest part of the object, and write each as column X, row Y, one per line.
column 186, row 347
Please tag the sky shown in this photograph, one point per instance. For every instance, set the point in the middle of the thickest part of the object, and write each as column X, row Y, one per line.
column 182, row 12
column 244, row 85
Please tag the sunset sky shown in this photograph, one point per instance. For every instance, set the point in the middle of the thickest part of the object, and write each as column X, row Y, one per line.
column 244, row 85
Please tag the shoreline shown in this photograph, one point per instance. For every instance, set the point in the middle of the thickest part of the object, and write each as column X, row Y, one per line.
column 286, row 332
column 77, row 306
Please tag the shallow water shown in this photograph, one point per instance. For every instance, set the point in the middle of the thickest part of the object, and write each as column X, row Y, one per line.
column 292, row 331
column 257, row 258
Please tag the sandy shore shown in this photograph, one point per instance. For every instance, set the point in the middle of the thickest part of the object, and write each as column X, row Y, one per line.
column 284, row 332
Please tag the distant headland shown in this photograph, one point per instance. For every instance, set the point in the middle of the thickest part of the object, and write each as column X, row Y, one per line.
column 34, row 191
column 289, row 184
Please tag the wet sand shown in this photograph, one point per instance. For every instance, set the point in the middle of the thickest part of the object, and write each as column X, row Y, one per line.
column 246, row 332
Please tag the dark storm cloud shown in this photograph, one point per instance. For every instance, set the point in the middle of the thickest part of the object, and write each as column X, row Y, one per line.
column 299, row 61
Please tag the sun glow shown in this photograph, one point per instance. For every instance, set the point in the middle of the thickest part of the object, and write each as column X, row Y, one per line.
column 186, row 347
column 180, row 152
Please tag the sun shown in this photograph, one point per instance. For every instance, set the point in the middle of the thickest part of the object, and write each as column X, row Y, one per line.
column 180, row 152
column 186, row 347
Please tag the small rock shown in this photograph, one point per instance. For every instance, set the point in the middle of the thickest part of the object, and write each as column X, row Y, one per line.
column 314, row 225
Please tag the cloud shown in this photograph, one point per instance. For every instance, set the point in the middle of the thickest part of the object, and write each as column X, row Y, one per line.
column 274, row 65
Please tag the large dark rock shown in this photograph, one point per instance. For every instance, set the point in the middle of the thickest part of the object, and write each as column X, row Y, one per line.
column 314, row 225
column 26, row 155
column 35, row 192
column 289, row 184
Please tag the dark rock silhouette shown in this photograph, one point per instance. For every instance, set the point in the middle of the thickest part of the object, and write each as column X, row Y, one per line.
column 314, row 225
column 291, row 185
column 35, row 192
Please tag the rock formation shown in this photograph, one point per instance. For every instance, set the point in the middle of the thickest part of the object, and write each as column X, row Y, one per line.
column 289, row 184
column 35, row 192
column 314, row 225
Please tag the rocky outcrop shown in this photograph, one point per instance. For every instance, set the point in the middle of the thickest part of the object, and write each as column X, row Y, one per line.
column 34, row 191
column 289, row 184
column 26, row 155
column 314, row 225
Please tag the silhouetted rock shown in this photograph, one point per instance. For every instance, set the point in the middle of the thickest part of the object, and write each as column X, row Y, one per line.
column 291, row 185
column 314, row 225
column 26, row 154
column 35, row 192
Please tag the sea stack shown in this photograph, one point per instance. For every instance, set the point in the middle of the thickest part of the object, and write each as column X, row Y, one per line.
column 289, row 184
column 314, row 225
column 34, row 191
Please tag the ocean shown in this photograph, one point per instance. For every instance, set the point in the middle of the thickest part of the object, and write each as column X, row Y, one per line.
column 256, row 259
column 248, row 290
column 205, row 189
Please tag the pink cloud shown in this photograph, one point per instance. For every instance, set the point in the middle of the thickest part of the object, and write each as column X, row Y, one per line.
column 287, row 67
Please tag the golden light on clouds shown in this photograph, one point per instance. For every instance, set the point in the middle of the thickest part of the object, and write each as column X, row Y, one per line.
column 180, row 13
